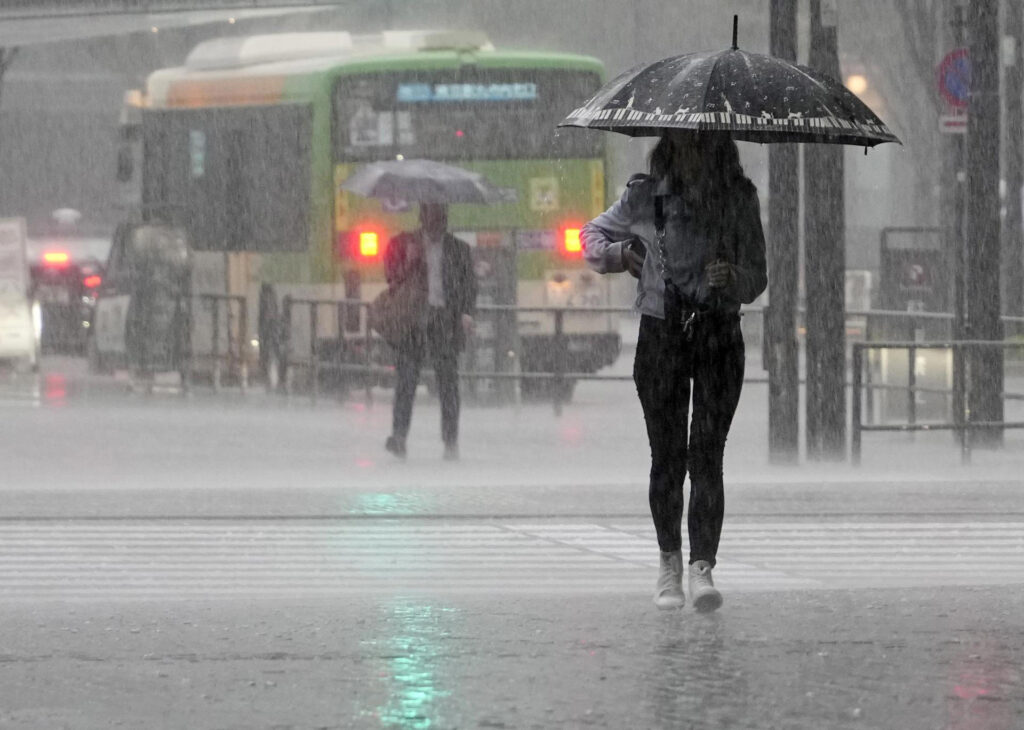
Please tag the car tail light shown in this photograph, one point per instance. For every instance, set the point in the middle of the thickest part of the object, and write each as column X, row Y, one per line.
column 369, row 244
column 93, row 281
column 56, row 258
column 571, row 243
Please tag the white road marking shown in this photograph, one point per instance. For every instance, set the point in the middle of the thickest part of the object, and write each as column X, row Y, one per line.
column 169, row 559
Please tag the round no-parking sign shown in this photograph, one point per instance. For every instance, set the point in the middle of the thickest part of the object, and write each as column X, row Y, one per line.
column 955, row 78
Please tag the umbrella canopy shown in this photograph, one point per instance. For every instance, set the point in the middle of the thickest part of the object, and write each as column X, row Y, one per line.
column 424, row 181
column 750, row 96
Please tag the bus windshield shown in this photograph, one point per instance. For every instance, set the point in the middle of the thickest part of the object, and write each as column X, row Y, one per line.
column 463, row 115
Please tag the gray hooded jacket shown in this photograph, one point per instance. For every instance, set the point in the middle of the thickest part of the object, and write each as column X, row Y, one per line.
column 692, row 241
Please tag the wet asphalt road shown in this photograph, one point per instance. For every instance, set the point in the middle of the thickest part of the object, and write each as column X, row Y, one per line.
column 910, row 659
column 214, row 563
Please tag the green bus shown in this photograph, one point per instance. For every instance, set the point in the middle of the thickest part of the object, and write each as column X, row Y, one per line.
column 245, row 147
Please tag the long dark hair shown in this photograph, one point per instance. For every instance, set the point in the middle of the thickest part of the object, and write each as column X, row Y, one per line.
column 718, row 183
column 721, row 169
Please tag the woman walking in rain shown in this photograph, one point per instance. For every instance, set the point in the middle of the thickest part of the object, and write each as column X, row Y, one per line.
column 697, row 219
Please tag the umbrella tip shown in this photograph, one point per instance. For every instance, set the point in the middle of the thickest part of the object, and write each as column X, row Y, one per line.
column 735, row 31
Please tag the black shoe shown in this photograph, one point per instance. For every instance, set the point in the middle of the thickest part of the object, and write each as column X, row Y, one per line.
column 396, row 446
column 451, row 452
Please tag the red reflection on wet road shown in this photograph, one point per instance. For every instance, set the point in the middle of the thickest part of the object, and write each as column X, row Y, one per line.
column 979, row 698
column 55, row 389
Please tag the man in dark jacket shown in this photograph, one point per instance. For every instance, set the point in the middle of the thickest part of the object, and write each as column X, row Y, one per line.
column 440, row 267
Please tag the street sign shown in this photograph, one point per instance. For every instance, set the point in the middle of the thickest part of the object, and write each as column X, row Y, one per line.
column 953, row 124
column 954, row 77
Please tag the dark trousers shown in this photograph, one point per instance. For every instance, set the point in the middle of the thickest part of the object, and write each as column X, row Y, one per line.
column 669, row 367
column 436, row 337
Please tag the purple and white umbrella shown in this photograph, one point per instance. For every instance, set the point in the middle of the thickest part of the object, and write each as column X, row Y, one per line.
column 749, row 96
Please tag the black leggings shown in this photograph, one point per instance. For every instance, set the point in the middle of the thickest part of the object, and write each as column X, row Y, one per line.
column 666, row 363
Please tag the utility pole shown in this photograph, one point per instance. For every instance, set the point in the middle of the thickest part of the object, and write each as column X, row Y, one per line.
column 825, row 265
column 783, row 282
column 954, row 195
column 1013, row 231
column 985, row 377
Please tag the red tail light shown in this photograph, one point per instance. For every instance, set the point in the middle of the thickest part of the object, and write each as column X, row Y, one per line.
column 91, row 282
column 369, row 244
column 56, row 258
column 571, row 243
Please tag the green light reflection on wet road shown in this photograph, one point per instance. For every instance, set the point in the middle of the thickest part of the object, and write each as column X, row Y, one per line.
column 413, row 654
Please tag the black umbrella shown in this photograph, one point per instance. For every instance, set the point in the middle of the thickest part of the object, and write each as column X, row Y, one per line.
column 750, row 96
column 424, row 181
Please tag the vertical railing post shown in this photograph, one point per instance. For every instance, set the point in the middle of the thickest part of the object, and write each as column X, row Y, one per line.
column 314, row 349
column 868, row 376
column 911, row 385
column 286, row 342
column 215, row 341
column 243, row 344
column 186, row 343
column 341, row 316
column 855, row 404
column 367, row 351
column 561, row 355
column 960, row 406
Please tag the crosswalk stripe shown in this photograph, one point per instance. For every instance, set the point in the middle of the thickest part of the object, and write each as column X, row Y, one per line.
column 227, row 558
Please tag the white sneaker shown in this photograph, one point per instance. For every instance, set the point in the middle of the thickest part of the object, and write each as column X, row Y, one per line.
column 668, row 593
column 703, row 593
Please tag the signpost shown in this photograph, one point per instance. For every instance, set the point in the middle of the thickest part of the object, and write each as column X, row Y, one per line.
column 954, row 80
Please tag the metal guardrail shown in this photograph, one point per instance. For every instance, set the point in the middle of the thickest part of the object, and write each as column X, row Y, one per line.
column 560, row 376
column 231, row 312
column 289, row 360
column 961, row 422
column 561, row 373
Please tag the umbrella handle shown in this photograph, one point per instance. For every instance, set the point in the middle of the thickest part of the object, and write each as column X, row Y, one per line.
column 735, row 31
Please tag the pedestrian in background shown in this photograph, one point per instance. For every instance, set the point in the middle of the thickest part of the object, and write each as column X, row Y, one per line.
column 690, row 231
column 440, row 268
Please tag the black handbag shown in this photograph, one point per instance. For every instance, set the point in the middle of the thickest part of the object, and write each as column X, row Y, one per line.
column 395, row 313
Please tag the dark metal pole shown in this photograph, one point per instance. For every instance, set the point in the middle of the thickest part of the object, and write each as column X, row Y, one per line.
column 825, row 270
column 985, row 374
column 1013, row 233
column 954, row 193
column 783, row 243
